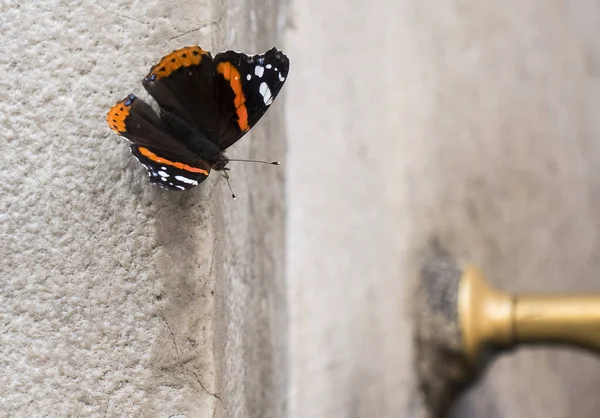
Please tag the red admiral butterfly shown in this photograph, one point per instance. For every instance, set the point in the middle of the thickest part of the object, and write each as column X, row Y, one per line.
column 206, row 105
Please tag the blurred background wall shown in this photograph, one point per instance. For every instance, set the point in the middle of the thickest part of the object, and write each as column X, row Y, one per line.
column 473, row 121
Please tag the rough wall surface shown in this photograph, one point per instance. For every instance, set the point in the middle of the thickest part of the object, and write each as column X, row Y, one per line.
column 474, row 121
column 109, row 286
column 250, row 281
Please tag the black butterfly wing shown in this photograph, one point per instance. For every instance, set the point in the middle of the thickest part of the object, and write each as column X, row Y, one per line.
column 255, row 81
column 206, row 105
column 182, row 84
column 169, row 162
column 220, row 98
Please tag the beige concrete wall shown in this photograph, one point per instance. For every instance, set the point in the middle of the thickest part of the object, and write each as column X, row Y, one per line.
column 119, row 298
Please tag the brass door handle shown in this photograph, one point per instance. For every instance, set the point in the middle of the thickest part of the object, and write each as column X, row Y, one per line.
column 462, row 321
column 490, row 318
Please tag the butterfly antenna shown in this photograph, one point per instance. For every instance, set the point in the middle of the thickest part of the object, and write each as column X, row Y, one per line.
column 229, row 184
column 257, row 161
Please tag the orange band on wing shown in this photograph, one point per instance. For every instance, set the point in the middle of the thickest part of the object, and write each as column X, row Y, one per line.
column 184, row 57
column 116, row 117
column 232, row 75
column 152, row 156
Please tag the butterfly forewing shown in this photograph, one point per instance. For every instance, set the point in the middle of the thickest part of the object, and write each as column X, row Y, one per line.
column 256, row 81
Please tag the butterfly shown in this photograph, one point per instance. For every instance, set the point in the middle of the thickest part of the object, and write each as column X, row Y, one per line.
column 206, row 105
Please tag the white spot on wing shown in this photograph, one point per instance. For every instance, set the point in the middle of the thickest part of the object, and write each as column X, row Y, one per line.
column 281, row 78
column 163, row 174
column 264, row 90
column 269, row 66
column 249, row 77
column 186, row 180
column 180, row 187
column 259, row 71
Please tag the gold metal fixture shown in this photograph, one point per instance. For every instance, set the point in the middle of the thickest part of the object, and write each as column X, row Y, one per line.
column 493, row 319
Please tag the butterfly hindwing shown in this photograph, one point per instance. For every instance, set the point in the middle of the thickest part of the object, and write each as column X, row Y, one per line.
column 173, row 175
column 155, row 147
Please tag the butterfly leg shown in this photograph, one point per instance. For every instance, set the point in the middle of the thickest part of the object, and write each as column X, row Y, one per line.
column 226, row 177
